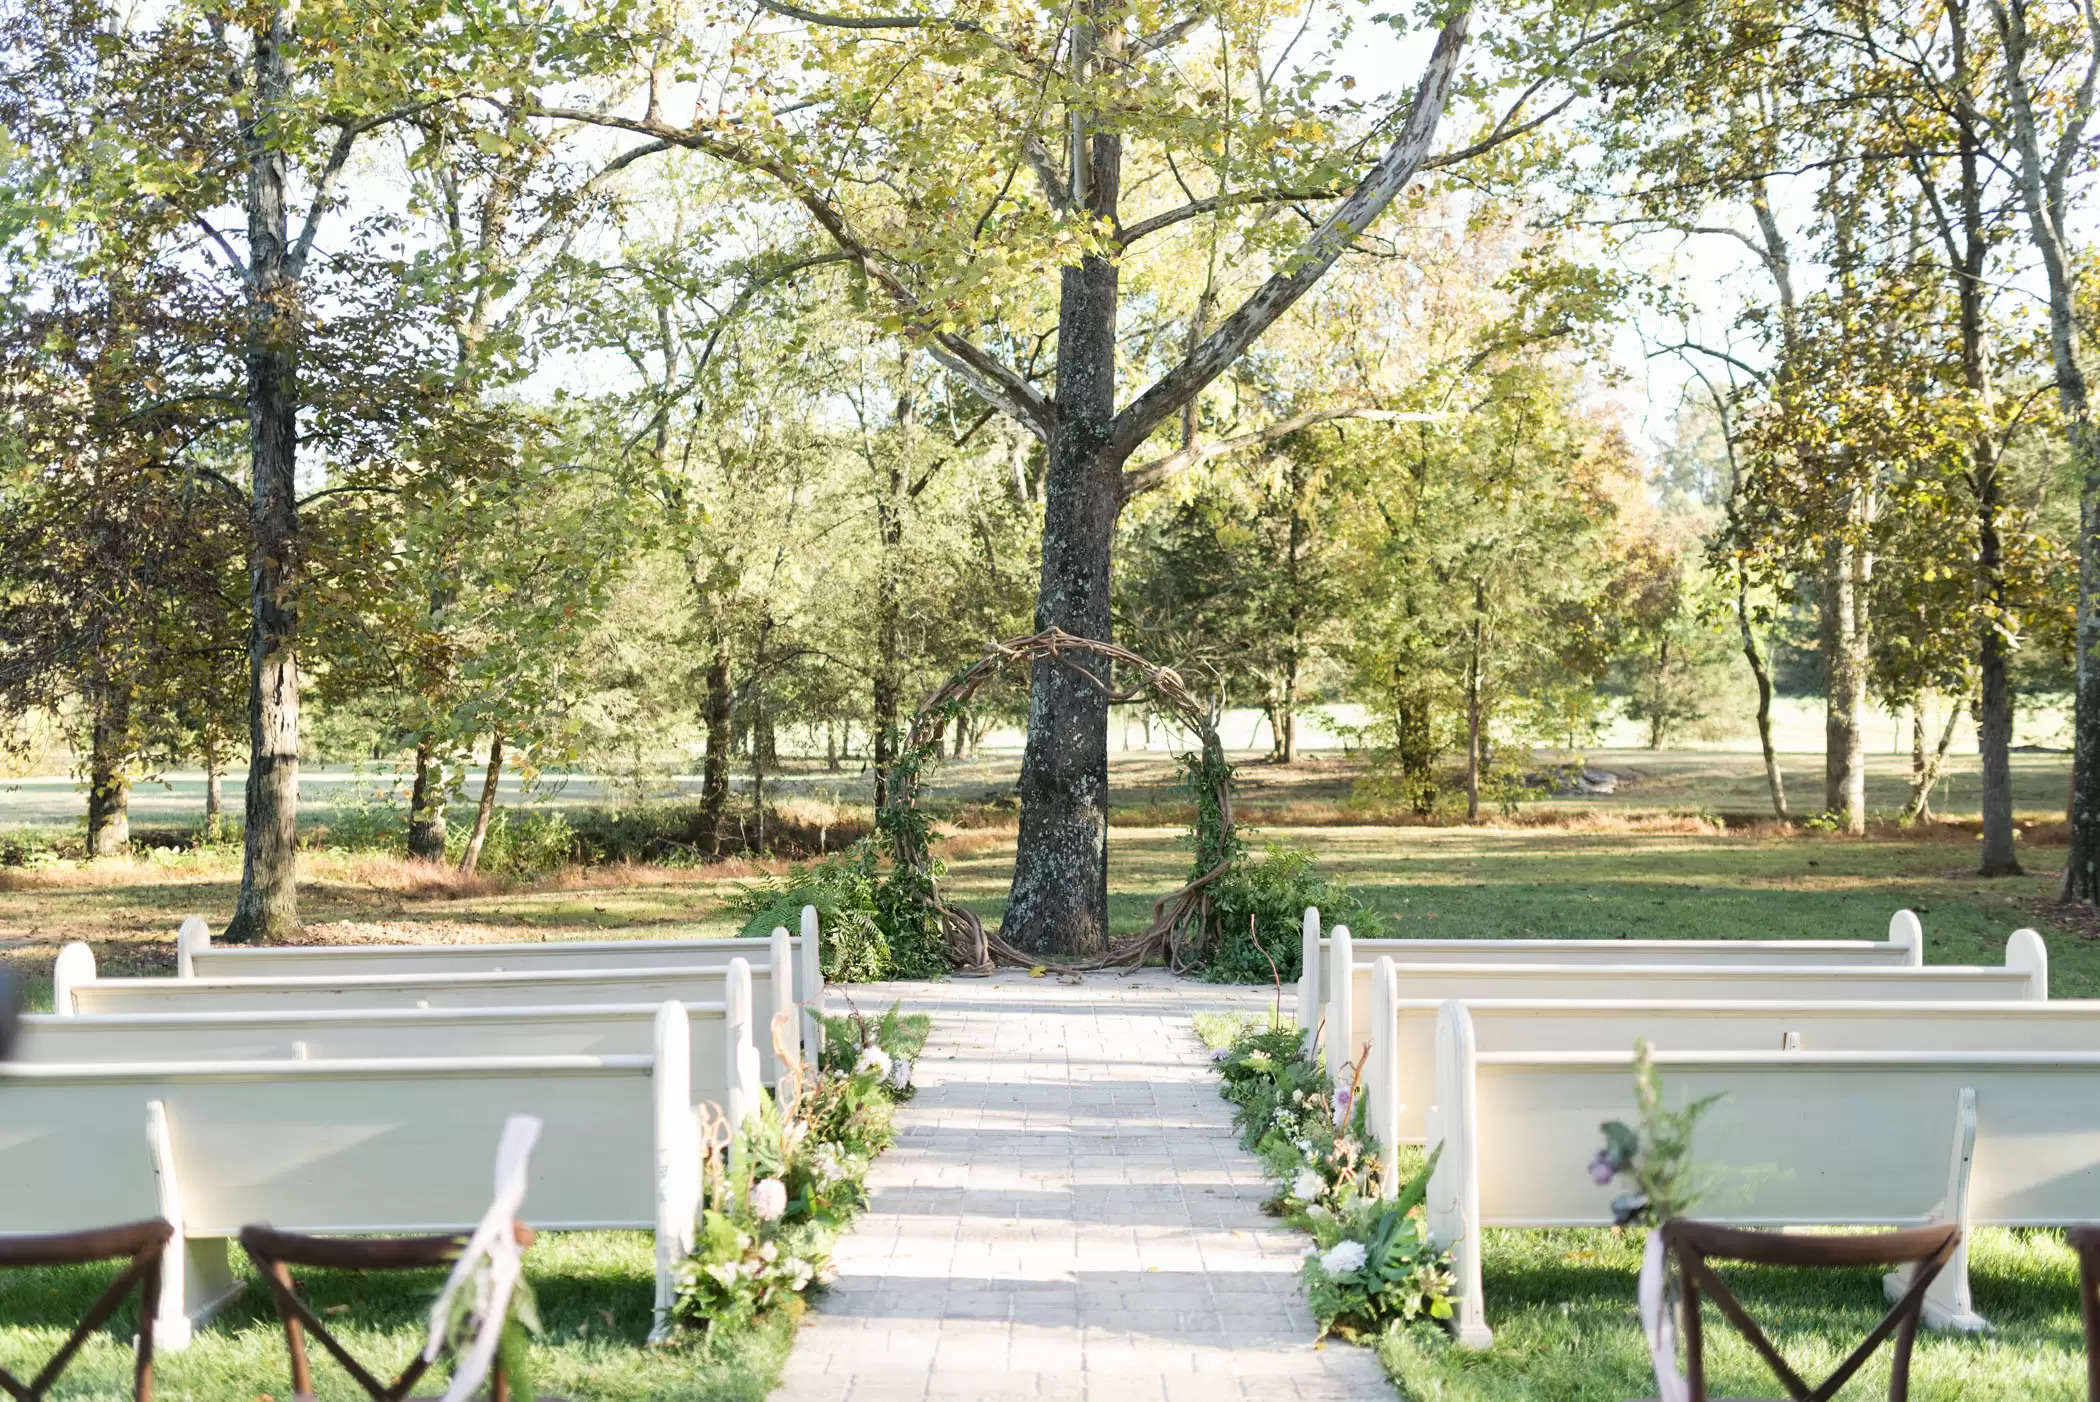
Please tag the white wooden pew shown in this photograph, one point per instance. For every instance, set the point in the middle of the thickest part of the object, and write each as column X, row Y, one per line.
column 393, row 1144
column 1984, row 1138
column 1530, row 1025
column 76, row 990
column 2023, row 977
column 1903, row 949
column 197, row 957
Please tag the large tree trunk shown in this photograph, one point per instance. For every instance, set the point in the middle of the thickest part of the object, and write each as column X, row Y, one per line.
column 268, row 907
column 486, row 809
column 1059, row 898
column 2082, row 863
column 426, row 807
column 109, row 785
column 1845, row 678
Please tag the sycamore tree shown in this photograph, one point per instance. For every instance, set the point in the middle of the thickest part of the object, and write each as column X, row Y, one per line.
column 1086, row 214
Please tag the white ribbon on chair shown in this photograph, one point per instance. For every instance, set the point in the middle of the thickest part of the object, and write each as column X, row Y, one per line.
column 495, row 1239
column 1659, row 1323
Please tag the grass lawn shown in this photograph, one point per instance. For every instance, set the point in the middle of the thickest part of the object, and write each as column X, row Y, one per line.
column 594, row 1291
column 1561, row 1304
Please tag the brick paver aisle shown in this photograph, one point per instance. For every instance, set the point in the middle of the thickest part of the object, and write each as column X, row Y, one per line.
column 1066, row 1214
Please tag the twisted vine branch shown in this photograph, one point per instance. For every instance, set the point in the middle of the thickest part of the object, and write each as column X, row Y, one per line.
column 1181, row 921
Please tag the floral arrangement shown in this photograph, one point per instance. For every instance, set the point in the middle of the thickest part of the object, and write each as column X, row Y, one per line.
column 1372, row 1265
column 1655, row 1160
column 782, row 1185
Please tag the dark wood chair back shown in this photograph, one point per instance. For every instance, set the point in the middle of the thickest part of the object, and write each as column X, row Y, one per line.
column 1925, row 1249
column 275, row 1253
column 139, row 1243
column 2086, row 1242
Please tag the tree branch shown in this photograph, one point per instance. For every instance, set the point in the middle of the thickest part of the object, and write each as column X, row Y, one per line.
column 1152, row 474
column 1314, row 257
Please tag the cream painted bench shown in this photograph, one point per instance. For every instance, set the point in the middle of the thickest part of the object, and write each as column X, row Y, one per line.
column 364, row 1145
column 1985, row 1138
column 2023, row 977
column 1903, row 949
column 197, row 957
column 76, row 990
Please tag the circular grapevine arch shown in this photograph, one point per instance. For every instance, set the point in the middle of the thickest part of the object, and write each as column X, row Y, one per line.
column 1180, row 921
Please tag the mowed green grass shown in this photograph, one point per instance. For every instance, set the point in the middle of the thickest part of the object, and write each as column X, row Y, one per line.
column 1561, row 1304
column 594, row 1292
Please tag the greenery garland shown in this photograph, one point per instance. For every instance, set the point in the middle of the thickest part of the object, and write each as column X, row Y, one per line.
column 913, row 909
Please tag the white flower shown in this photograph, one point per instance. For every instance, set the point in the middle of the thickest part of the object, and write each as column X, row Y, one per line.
column 874, row 1059
column 793, row 1135
column 1308, row 1185
column 769, row 1198
column 900, row 1074
column 769, row 1252
column 1342, row 1258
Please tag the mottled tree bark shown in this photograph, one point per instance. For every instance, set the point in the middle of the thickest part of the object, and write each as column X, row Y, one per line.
column 267, row 907
column 426, row 807
column 470, row 860
column 1845, row 681
column 717, row 713
column 1059, row 898
column 109, row 783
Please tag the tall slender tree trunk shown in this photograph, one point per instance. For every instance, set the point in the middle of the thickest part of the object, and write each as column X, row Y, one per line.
column 1761, row 673
column 890, row 507
column 1845, row 672
column 470, row 860
column 109, row 783
column 1286, row 725
column 214, row 790
column 717, row 714
column 1926, row 767
column 2044, row 184
column 1473, row 755
column 426, row 806
column 1059, row 898
column 268, row 905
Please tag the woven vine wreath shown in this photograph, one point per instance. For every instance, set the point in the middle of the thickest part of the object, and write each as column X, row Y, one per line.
column 1180, row 922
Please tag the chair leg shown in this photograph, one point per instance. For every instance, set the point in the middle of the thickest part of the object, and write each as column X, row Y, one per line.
column 294, row 1336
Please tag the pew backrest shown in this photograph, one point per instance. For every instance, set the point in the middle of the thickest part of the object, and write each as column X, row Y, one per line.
column 352, row 1034
column 1810, row 1027
column 76, row 990
column 801, row 956
column 2023, row 977
column 1904, row 948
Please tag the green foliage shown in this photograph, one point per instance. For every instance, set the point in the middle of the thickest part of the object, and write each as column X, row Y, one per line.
column 520, row 1327
column 526, row 842
column 795, row 1179
column 1376, row 1266
column 845, row 889
column 1259, row 910
column 1656, row 1159
column 1373, row 1266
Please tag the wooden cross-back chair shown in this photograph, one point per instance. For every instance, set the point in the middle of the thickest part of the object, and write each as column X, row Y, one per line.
column 275, row 1253
column 2086, row 1242
column 1925, row 1249
column 141, row 1243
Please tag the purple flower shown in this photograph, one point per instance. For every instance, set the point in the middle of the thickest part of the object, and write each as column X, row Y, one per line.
column 1602, row 1169
column 1342, row 1097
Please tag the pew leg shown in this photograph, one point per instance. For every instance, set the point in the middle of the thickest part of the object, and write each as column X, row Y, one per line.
column 197, row 1279
column 1947, row 1303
